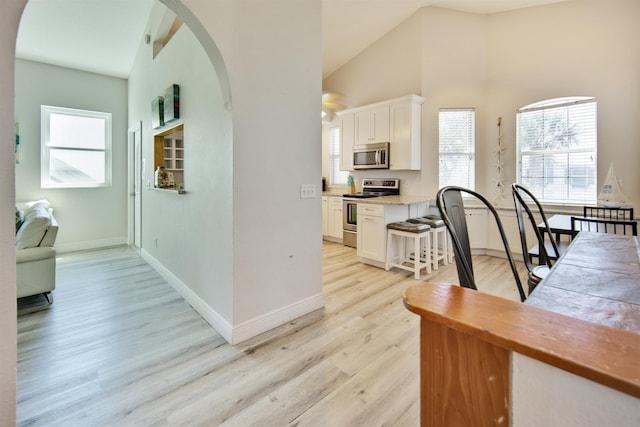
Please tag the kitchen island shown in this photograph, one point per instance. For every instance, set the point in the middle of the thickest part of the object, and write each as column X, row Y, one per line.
column 373, row 216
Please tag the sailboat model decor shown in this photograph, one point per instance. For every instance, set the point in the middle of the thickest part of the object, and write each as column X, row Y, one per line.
column 611, row 194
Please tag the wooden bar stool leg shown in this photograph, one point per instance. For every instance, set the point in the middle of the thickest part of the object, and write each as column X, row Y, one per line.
column 429, row 254
column 435, row 256
column 450, row 248
column 417, row 258
column 390, row 251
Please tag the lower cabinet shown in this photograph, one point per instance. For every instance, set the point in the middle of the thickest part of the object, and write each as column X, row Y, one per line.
column 371, row 237
column 509, row 220
column 372, row 229
column 335, row 217
column 484, row 236
column 332, row 218
column 325, row 215
column 477, row 227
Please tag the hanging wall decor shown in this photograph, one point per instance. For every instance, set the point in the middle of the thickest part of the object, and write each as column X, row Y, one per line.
column 499, row 152
column 172, row 103
column 157, row 112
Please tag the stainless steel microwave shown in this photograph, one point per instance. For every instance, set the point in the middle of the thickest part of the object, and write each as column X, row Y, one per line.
column 371, row 156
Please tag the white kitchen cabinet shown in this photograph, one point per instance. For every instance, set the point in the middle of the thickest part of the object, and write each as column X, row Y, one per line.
column 405, row 117
column 325, row 215
column 347, row 135
column 372, row 125
column 332, row 218
column 397, row 121
column 372, row 229
column 371, row 237
column 335, row 218
column 477, row 227
column 509, row 220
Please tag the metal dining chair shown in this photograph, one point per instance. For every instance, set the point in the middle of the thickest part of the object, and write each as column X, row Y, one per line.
column 451, row 207
column 612, row 213
column 602, row 225
column 552, row 248
column 537, row 272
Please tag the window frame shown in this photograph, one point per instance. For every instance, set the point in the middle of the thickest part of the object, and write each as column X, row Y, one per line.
column 45, row 146
column 551, row 104
column 470, row 149
column 336, row 157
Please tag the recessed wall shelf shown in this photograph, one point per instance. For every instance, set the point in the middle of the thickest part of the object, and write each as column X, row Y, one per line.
column 169, row 153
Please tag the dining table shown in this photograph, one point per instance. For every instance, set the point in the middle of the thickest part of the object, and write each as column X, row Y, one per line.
column 559, row 224
column 597, row 279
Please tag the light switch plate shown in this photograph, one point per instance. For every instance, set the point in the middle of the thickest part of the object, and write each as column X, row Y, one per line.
column 307, row 191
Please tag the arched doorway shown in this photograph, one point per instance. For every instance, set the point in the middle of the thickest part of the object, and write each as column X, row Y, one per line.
column 7, row 84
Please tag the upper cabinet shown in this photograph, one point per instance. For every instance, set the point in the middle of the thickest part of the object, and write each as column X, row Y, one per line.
column 347, row 135
column 397, row 121
column 372, row 125
column 405, row 118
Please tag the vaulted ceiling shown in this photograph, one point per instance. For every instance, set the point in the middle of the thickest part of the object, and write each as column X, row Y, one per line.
column 102, row 36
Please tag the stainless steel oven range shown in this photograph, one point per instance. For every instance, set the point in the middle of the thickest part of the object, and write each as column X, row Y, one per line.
column 371, row 187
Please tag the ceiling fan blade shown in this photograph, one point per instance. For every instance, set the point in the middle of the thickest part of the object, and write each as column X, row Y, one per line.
column 330, row 100
column 332, row 105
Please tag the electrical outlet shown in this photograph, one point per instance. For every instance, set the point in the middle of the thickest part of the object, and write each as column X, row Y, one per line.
column 307, row 191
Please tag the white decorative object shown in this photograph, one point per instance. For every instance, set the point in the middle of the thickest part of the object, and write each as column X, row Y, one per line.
column 499, row 152
column 611, row 194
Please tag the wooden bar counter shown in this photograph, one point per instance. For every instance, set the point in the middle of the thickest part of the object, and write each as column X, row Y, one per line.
column 467, row 338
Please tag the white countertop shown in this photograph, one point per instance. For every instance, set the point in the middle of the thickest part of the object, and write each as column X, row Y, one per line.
column 392, row 200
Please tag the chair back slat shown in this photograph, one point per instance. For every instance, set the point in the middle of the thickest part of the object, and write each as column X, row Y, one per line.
column 603, row 225
column 615, row 213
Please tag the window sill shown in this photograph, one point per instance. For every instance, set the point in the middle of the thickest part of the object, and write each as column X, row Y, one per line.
column 168, row 190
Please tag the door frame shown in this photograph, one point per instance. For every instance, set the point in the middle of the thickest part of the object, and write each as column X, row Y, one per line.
column 134, row 187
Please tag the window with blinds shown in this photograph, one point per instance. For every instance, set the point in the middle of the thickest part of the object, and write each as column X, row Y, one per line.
column 457, row 147
column 75, row 148
column 336, row 176
column 556, row 149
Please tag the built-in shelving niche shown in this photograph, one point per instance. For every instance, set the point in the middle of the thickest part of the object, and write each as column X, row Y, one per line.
column 169, row 152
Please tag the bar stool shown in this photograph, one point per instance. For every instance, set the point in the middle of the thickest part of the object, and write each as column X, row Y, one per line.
column 439, row 239
column 404, row 231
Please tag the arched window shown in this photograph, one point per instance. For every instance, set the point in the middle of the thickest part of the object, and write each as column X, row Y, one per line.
column 556, row 149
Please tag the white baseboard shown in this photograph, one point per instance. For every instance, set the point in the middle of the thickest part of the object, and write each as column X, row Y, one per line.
column 209, row 314
column 260, row 324
column 244, row 331
column 90, row 244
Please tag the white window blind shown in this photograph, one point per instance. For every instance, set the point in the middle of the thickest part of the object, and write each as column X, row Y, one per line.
column 336, row 176
column 75, row 148
column 556, row 148
column 457, row 147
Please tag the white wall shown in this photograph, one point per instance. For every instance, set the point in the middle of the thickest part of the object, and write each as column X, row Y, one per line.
column 547, row 396
column 193, row 231
column 498, row 63
column 274, row 68
column 9, row 19
column 88, row 217
column 245, row 243
column 587, row 47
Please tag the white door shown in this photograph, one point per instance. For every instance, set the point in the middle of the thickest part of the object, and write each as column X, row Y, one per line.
column 135, row 138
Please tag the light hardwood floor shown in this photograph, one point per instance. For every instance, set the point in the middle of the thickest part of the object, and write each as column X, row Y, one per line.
column 119, row 346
